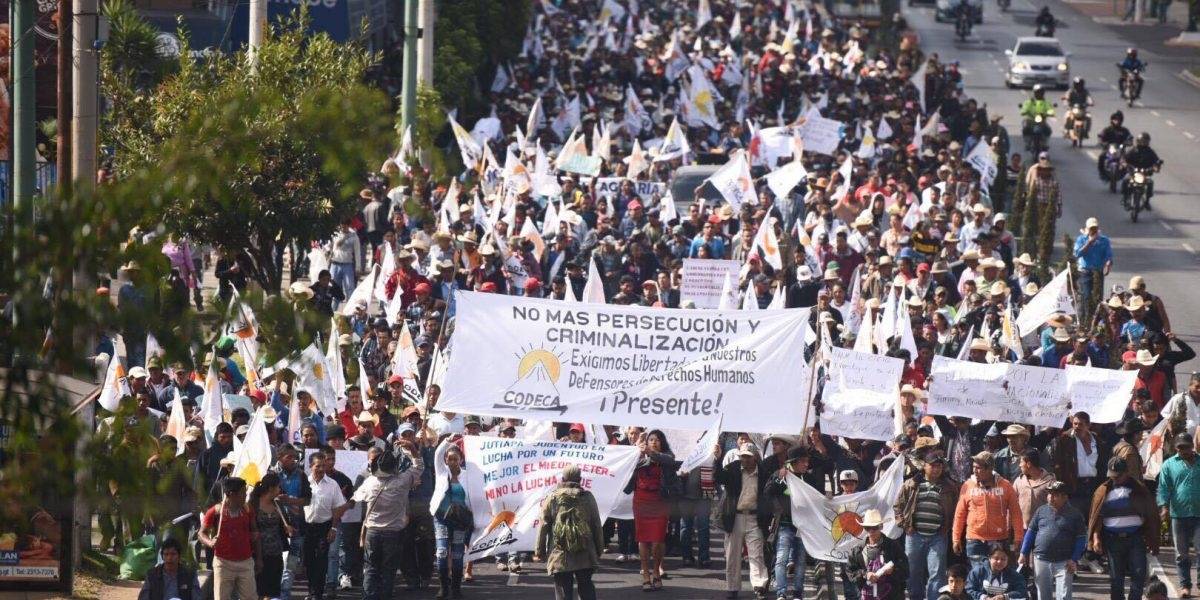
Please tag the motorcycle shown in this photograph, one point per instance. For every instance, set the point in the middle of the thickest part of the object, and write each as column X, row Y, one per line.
column 1037, row 135
column 1131, row 85
column 1004, row 4
column 1077, row 125
column 1137, row 187
column 1045, row 30
column 962, row 24
column 1113, row 171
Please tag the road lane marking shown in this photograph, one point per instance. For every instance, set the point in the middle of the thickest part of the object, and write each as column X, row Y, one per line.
column 1103, row 80
column 1170, row 123
column 1154, row 112
column 1094, row 154
column 1189, row 135
column 1189, row 248
column 1166, row 225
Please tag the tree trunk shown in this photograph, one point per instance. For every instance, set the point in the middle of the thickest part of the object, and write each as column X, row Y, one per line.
column 264, row 267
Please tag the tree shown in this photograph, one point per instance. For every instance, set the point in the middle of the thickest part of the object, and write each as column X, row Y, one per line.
column 257, row 158
column 472, row 36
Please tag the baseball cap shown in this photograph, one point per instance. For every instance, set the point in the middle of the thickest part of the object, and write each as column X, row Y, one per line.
column 1183, row 439
column 848, row 475
column 578, row 427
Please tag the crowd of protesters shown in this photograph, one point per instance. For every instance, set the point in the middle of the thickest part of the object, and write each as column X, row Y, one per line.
column 984, row 504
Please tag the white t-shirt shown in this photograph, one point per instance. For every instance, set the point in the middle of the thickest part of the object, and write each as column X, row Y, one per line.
column 443, row 425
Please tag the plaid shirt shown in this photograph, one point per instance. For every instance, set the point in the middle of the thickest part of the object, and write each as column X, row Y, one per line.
column 374, row 359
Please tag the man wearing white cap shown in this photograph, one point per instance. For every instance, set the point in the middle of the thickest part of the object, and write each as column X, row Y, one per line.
column 1093, row 251
column 745, row 515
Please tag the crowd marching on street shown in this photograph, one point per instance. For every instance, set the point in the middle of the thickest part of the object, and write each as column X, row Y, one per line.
column 851, row 177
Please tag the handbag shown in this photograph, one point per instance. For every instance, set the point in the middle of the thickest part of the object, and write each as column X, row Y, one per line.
column 459, row 517
column 670, row 487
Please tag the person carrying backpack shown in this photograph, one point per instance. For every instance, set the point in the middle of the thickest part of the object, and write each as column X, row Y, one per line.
column 571, row 537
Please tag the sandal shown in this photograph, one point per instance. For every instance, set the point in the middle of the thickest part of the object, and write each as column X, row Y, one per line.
column 657, row 583
column 647, row 583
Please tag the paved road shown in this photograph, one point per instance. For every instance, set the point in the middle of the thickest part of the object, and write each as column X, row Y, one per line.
column 1163, row 246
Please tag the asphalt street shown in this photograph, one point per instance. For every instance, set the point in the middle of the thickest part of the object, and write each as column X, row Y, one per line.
column 1163, row 245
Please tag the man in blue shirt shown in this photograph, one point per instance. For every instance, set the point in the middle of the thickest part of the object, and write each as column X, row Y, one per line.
column 708, row 237
column 1055, row 537
column 1094, row 254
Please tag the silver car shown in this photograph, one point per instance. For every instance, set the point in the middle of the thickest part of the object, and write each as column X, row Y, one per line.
column 1036, row 60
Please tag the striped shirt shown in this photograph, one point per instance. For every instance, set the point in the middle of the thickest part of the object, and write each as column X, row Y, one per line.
column 1118, row 512
column 928, row 517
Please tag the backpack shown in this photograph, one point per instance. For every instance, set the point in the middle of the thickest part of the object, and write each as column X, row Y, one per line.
column 571, row 528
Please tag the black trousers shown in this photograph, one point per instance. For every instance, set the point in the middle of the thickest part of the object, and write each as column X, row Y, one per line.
column 416, row 544
column 565, row 583
column 316, row 556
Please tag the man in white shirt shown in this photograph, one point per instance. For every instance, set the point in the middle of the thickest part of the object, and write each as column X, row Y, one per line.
column 446, row 423
column 322, row 515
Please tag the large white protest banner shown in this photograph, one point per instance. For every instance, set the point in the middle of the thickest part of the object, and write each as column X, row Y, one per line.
column 832, row 527
column 626, row 365
column 509, row 478
column 704, row 279
column 860, row 394
column 1103, row 394
column 1000, row 391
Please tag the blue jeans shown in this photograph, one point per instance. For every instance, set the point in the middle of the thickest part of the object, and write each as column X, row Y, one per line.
column 1185, row 531
column 1053, row 581
column 450, row 547
column 788, row 548
column 926, row 564
column 295, row 556
column 381, row 558
column 1089, row 279
column 335, row 558
column 343, row 275
column 977, row 551
column 1126, row 558
column 695, row 523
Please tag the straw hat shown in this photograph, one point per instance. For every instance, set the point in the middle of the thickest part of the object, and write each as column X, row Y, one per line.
column 1135, row 303
column 1146, row 358
column 872, row 518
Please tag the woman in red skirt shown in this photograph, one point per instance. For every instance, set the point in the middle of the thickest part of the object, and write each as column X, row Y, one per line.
column 655, row 485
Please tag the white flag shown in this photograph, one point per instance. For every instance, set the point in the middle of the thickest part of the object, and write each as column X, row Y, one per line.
column 735, row 26
column 362, row 293
column 766, row 245
column 832, row 527
column 213, row 411
column 177, row 423
column 636, row 162
column 337, row 371
column 884, row 130
column 734, row 182
column 782, row 180
column 254, row 456
column 468, row 148
column 1151, row 449
column 593, row 291
column 501, row 80
column 116, row 385
column 701, row 453
column 636, row 116
column 703, row 14
column 534, row 122
column 1054, row 298
column 674, row 145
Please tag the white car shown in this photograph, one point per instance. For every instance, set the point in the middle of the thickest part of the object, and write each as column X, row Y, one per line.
column 1036, row 60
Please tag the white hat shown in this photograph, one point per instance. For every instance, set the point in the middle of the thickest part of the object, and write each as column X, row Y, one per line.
column 848, row 475
column 1146, row 358
column 872, row 518
column 804, row 274
column 747, row 450
column 1091, row 222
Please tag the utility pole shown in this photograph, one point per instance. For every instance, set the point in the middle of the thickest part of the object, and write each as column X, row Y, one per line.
column 425, row 49
column 408, row 108
column 258, row 27
column 63, row 161
column 84, row 108
column 24, row 143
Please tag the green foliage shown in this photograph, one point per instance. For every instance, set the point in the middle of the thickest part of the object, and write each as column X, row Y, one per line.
column 254, row 157
column 472, row 36
column 131, row 53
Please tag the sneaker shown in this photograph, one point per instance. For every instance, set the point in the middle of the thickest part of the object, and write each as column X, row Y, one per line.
column 514, row 567
column 503, row 566
column 344, row 583
column 622, row 558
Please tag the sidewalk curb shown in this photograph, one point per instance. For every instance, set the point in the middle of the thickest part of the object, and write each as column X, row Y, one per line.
column 1187, row 77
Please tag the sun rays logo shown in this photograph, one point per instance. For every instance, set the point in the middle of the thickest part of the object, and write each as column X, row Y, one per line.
column 846, row 522
column 536, row 387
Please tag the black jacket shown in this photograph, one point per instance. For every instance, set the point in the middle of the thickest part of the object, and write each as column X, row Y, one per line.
column 186, row 585
column 730, row 477
column 893, row 552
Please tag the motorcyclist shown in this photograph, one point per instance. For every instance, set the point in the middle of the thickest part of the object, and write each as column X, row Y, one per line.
column 1115, row 133
column 1131, row 63
column 1034, row 107
column 964, row 8
column 1141, row 156
column 1046, row 20
column 1077, row 95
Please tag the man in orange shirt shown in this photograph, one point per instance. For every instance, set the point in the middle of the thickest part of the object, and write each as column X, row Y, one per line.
column 988, row 513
